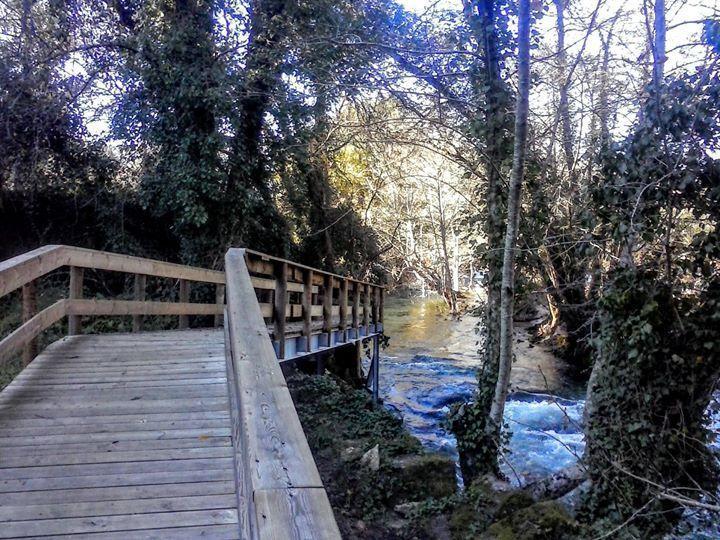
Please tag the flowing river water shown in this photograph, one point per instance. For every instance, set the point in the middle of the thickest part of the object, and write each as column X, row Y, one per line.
column 431, row 363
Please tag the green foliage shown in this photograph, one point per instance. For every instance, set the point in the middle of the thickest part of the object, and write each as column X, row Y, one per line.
column 658, row 360
column 658, row 349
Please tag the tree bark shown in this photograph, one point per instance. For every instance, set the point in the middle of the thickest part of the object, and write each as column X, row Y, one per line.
column 513, row 217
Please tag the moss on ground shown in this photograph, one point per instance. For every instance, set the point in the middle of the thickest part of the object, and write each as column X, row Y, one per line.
column 411, row 494
column 342, row 425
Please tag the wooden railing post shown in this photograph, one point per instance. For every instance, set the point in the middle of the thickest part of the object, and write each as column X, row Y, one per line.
column 184, row 297
column 138, row 295
column 76, row 293
column 343, row 309
column 29, row 309
column 382, row 308
column 307, row 308
column 327, row 308
column 356, row 309
column 220, row 300
column 366, row 308
column 281, row 270
column 375, row 308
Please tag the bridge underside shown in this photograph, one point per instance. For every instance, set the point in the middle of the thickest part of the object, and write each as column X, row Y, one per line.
column 123, row 436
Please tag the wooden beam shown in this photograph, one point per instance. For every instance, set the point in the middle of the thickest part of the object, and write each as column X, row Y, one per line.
column 327, row 307
column 26, row 333
column 280, row 303
column 307, row 309
column 132, row 307
column 16, row 272
column 356, row 309
column 76, row 292
column 219, row 300
column 366, row 308
column 275, row 451
column 382, row 306
column 139, row 291
column 29, row 310
column 376, row 307
column 184, row 298
column 343, row 309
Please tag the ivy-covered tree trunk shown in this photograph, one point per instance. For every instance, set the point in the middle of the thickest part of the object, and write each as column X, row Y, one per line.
column 478, row 452
column 251, row 210
column 658, row 363
column 513, row 223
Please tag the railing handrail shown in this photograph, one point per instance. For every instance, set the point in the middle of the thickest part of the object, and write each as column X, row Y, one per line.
column 267, row 257
column 286, row 497
column 22, row 269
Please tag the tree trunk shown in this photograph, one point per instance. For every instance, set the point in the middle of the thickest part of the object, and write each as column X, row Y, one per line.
column 513, row 218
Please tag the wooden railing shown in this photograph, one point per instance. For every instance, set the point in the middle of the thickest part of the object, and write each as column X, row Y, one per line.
column 304, row 309
column 307, row 309
column 284, row 495
column 24, row 270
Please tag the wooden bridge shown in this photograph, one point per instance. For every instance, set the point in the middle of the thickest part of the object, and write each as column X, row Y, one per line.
column 171, row 434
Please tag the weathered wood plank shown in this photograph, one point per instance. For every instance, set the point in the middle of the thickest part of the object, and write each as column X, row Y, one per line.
column 102, row 427
column 29, row 310
column 206, row 532
column 110, row 508
column 66, row 438
column 43, row 484
column 115, row 446
column 86, row 469
column 26, row 333
column 127, row 522
column 75, row 293
column 133, row 307
column 275, row 451
column 117, row 493
column 139, row 292
column 295, row 514
column 32, row 460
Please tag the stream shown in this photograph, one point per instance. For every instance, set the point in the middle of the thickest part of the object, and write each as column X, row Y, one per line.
column 430, row 364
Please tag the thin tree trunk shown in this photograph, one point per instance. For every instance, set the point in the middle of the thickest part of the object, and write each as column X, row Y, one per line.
column 513, row 217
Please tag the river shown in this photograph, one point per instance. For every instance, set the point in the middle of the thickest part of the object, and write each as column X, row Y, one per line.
column 430, row 364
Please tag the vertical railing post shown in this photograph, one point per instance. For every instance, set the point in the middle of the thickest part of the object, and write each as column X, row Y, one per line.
column 139, row 287
column 307, row 308
column 76, row 292
column 366, row 308
column 280, row 303
column 29, row 310
column 343, row 309
column 376, row 369
column 381, row 314
column 375, row 308
column 219, row 300
column 184, row 297
column 356, row 309
column 327, row 308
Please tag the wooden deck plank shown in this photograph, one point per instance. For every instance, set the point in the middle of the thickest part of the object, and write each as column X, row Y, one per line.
column 116, row 446
column 31, row 460
column 110, row 508
column 118, row 493
column 132, row 467
column 134, row 418
column 102, row 427
column 126, row 522
column 131, row 479
column 208, row 532
column 120, row 436
column 295, row 514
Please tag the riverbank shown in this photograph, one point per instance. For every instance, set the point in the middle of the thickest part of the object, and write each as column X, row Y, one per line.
column 382, row 484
